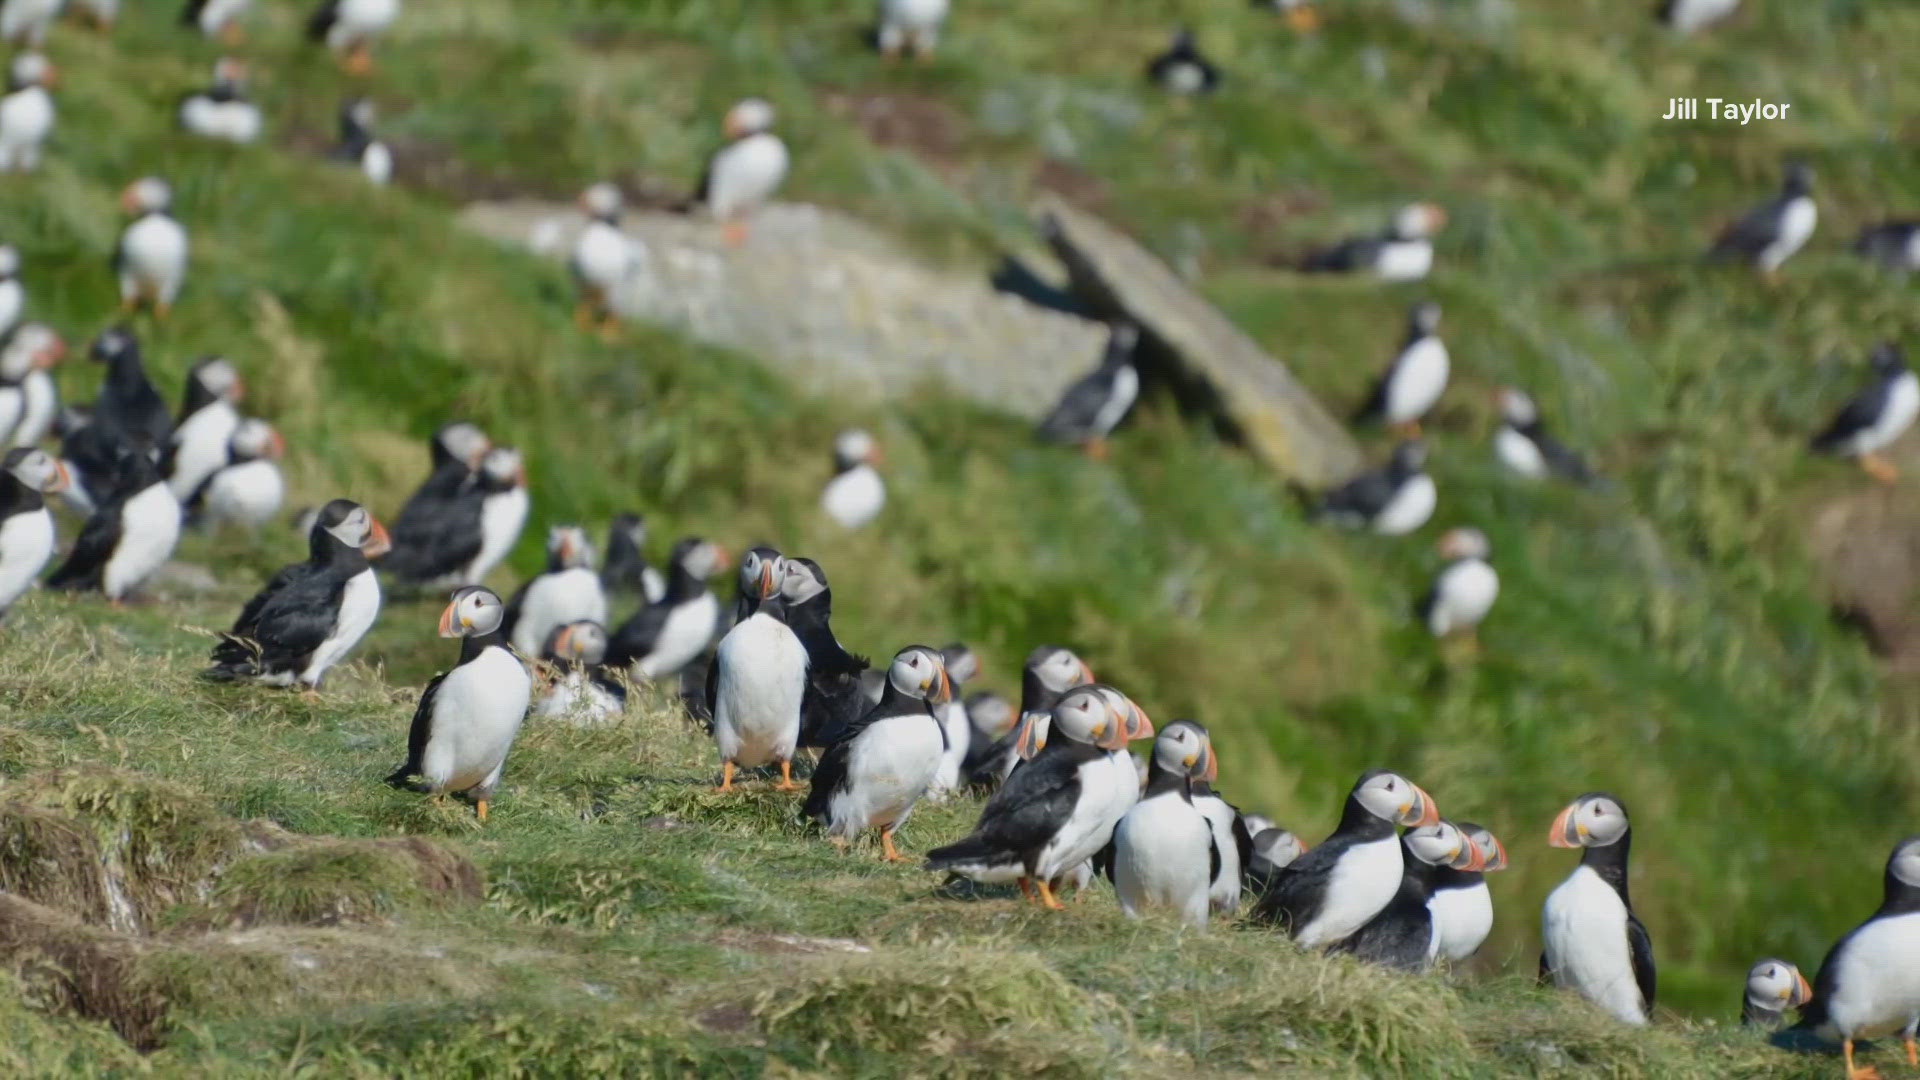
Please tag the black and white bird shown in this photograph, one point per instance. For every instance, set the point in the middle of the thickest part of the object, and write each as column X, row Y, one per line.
column 1686, row 16
column 13, row 295
column 1414, row 381
column 29, row 400
column 469, row 715
column 1459, row 901
column 131, row 532
column 910, row 26
column 1049, row 672
column 216, row 18
column 1392, row 500
column 1125, row 773
column 503, row 510
column 1869, row 984
column 1331, row 891
column 1524, row 445
column 26, row 110
column 1464, row 590
column 992, row 718
column 759, row 679
column 456, row 450
column 1773, row 986
column 567, row 591
column 208, row 419
column 348, row 28
column 151, row 258
column 1880, row 413
column 1233, row 841
column 359, row 146
column 222, row 111
column 1274, row 849
column 461, row 539
column 248, row 490
column 856, row 494
column 1404, row 934
column 625, row 568
column 310, row 614
column 25, row 22
column 1181, row 69
column 885, row 763
column 1164, row 852
column 603, row 257
column 1893, row 244
column 27, row 477
column 581, row 689
column 745, row 173
column 1096, row 402
column 90, row 453
column 835, row 697
column 128, row 405
column 1770, row 233
column 961, row 664
column 667, row 634
column 1592, row 941
column 1402, row 252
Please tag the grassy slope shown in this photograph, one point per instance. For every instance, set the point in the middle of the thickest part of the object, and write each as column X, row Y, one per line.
column 1675, row 614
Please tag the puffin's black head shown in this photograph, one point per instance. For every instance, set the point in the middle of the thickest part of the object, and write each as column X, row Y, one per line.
column 1595, row 819
column 1799, row 179
column 1409, row 457
column 1278, row 847
column 853, row 448
column 990, row 713
column 1122, row 338
column 802, row 581
column 568, row 548
column 601, row 202
column 31, row 69
column 31, row 345
column 583, row 642
column 1183, row 748
column 1464, row 542
column 1423, row 318
column 37, row 470
column 762, row 572
column 255, row 440
column 918, row 673
column 1394, row 798
column 502, row 470
column 1491, row 849
column 1057, row 669
column 1443, row 844
column 1774, row 985
column 217, row 378
column 700, row 558
column 356, row 119
column 461, row 441
column 349, row 523
column 1516, row 406
column 962, row 662
column 1887, row 360
column 147, row 195
column 632, row 526
column 475, row 611
column 1083, row 714
column 114, row 343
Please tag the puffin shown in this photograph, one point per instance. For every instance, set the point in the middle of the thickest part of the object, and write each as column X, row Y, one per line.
column 1233, row 842
column 26, row 111
column 1096, row 402
column 503, row 510
column 1771, row 232
column 1404, row 934
column 1869, row 984
column 89, row 451
column 1392, row 501
column 625, row 568
column 1332, row 890
column 667, row 634
column 28, row 398
column 127, row 404
column 856, row 494
column 1880, row 413
column 1458, row 899
column 27, row 477
column 1047, row 817
column 568, row 591
column 1524, row 445
column 885, row 763
column 207, row 421
column 1592, row 941
column 1125, row 776
column 1464, row 590
column 1414, row 381
column 151, row 257
column 1164, row 852
column 603, row 257
column 747, row 171
column 1274, row 849
column 581, row 688
column 216, row 18
column 749, row 579
column 310, row 614
column 1893, row 244
column 1402, row 252
column 992, row 718
column 131, row 533
column 961, row 664
column 1181, row 69
column 910, row 26
column 1049, row 672
column 469, row 714
column 13, row 295
column 248, row 490
column 759, row 678
column 1686, row 16
column 222, row 111
column 1773, row 986
column 358, row 146
column 348, row 29
column 457, row 449
column 25, row 22
column 463, row 538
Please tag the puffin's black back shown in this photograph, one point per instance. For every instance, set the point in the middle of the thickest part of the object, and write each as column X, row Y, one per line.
column 1026, row 812
column 1896, row 898
column 1298, row 890
column 1400, row 935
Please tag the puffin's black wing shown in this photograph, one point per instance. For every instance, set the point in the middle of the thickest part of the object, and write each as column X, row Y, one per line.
column 1363, row 496
column 417, row 737
column 1072, row 418
column 1888, row 242
column 439, row 539
column 1242, row 841
column 635, row 638
column 1356, row 253
column 1376, row 404
column 238, row 651
column 91, row 550
column 1747, row 237
column 511, row 617
column 1854, row 417
column 829, row 777
column 1397, row 937
column 831, row 709
column 1021, row 817
column 320, row 23
column 190, row 15
column 1640, row 948
column 1562, row 460
column 1294, row 897
column 297, row 619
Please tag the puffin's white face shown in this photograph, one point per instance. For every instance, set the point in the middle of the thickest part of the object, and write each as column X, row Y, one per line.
column 1516, row 407
column 798, row 584
column 221, row 379
column 147, row 195
column 762, row 572
column 1062, row 670
column 465, row 442
column 991, row 713
column 917, row 672
column 854, row 447
column 9, row 261
column 1594, row 820
column 1776, row 984
column 1442, row 844
column 703, row 559
column 502, row 465
column 1392, row 797
column 1905, row 863
column 1490, row 848
column 475, row 610
column 1084, row 715
column 1464, row 543
column 1182, row 749
column 749, row 117
column 33, row 345
column 1134, row 723
column 601, row 201
column 570, row 545
column 583, row 642
column 1418, row 221
column 257, row 439
column 1278, row 846
column 962, row 663
column 355, row 529
column 38, row 470
column 31, row 69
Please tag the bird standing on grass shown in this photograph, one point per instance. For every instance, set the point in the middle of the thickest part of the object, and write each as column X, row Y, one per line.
column 1592, row 941
column 1459, row 901
column 1416, row 378
column 911, row 26
column 1096, row 402
column 667, row 634
column 603, row 258
column 1773, row 986
column 27, row 477
column 884, row 764
column 1392, row 500
column 128, row 405
column 1869, row 984
column 856, row 494
column 26, row 112
column 1464, row 590
column 222, row 111
column 1770, row 233
column 1403, row 252
column 1181, row 69
column 1876, row 416
column 198, row 445
column 151, row 258
column 745, row 173
column 1524, row 445
column 759, row 679
column 567, row 591
column 581, row 688
column 1164, row 852
column 1404, row 935
column 28, row 398
column 349, row 28
column 1332, row 890
column 359, row 146
column 131, row 532
column 247, row 490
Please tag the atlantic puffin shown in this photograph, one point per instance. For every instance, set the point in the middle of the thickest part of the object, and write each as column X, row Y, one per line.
column 1458, row 899
column 1181, row 69
column 961, row 664
column 28, row 398
column 747, row 171
column 1231, row 838
column 759, row 678
column 991, row 716
column 13, row 295
column 1876, row 416
column 207, row 420
column 1686, row 16
column 856, row 494
column 1333, row 889
column 910, row 26
column 1164, row 851
column 1402, row 252
column 88, row 452
column 216, row 18
column 131, row 533
column 25, row 22
column 1096, row 402
column 503, row 510
column 465, row 536
column 603, row 257
column 1124, row 779
column 27, row 477
column 666, row 635
column 581, row 689
column 310, row 614
column 348, row 29
column 1404, row 935
column 1771, row 232
column 885, row 763
column 456, row 449
column 1415, row 379
column 468, row 715
column 1464, row 590
column 1049, row 672
column 358, row 146
column 567, row 591
column 26, row 112
column 222, row 111
column 1592, row 941
column 248, row 490
column 1047, row 818
column 1869, row 984
column 128, row 404
column 1274, row 849
column 1893, row 244
column 151, row 257
column 1524, row 445
column 1392, row 501
column 624, row 568
column 1773, row 986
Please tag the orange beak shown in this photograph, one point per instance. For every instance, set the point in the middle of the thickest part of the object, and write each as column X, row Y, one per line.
column 127, row 202
column 1497, row 858
column 1802, row 993
column 876, row 455
column 239, row 388
column 563, row 642
column 1086, row 674
column 62, row 479
column 446, row 621
column 724, row 556
column 944, row 693
column 1212, row 771
column 731, row 127
column 1028, row 739
column 1139, row 726
column 520, row 476
column 1564, row 831
column 768, row 584
column 50, row 355
column 1115, row 737
column 1436, row 215
column 1476, row 858
column 379, row 543
column 276, row 444
column 1423, row 805
column 53, row 77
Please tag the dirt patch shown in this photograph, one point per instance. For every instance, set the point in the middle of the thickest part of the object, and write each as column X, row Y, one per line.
column 1072, row 183
column 1867, row 544
column 69, row 968
column 926, row 126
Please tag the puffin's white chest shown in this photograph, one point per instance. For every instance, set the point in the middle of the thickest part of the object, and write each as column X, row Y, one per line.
column 1404, row 260
column 1902, row 404
column 149, row 528
column 13, row 298
column 953, row 717
column 1463, row 593
column 745, row 173
column 249, row 493
column 1519, row 453
column 27, row 19
column 1584, row 934
column 357, row 19
column 756, row 706
column 155, row 250
column 26, row 545
column 1124, row 391
column 1687, row 16
column 200, row 446
column 26, row 119
column 687, row 630
column 1089, row 825
column 1462, row 919
column 1877, row 985
column 1419, row 376
column 1224, row 892
column 218, row 13
column 602, row 256
column 854, row 497
column 42, row 402
column 376, row 162
column 234, row 121
column 889, row 767
column 1797, row 221
column 914, row 16
column 1160, row 858
column 502, row 515
column 476, row 715
column 1411, row 507
column 359, row 607
column 554, row 600
column 1363, row 881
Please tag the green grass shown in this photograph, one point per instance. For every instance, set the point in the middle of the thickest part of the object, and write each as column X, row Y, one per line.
column 1666, row 639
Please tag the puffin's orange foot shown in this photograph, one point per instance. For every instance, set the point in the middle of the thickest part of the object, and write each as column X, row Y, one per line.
column 233, row 33
column 786, row 778
column 1879, row 468
column 1857, row 1072
column 480, row 808
column 887, row 850
column 1096, row 448
column 1047, row 897
column 1408, row 429
column 726, row 776
column 359, row 59
column 1303, row 19
column 734, row 232
column 1026, row 890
